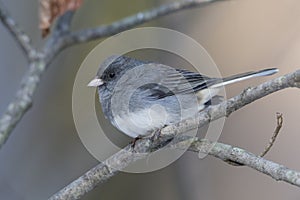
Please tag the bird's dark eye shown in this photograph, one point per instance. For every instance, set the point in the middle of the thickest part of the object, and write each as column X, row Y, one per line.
column 111, row 75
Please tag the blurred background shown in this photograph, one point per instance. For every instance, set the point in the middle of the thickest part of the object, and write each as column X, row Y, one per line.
column 44, row 153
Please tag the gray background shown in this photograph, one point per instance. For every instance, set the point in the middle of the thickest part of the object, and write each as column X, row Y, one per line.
column 44, row 152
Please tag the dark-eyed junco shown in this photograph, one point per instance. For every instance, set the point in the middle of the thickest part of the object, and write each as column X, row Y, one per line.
column 139, row 97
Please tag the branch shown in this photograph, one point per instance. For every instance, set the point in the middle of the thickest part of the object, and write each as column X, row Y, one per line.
column 227, row 153
column 127, row 23
column 134, row 20
column 22, row 101
column 24, row 96
column 123, row 158
column 22, row 38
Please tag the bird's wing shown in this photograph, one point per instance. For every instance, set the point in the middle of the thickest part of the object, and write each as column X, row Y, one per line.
column 175, row 81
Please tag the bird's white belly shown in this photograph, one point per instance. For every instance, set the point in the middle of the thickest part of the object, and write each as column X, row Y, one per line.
column 142, row 122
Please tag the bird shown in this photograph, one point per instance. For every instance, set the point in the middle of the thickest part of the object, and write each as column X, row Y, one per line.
column 140, row 97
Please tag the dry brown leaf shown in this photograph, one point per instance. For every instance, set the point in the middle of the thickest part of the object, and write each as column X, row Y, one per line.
column 49, row 10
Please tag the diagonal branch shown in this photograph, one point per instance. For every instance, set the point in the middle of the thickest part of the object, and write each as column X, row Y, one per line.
column 123, row 158
column 127, row 23
column 134, row 20
column 22, row 38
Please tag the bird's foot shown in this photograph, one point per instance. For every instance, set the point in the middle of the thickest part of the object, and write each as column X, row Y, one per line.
column 133, row 142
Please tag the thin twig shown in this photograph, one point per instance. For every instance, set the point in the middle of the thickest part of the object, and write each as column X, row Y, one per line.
column 123, row 158
column 19, row 35
column 270, row 144
column 275, row 134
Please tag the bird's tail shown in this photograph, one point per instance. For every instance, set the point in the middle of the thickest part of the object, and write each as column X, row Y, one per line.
column 245, row 76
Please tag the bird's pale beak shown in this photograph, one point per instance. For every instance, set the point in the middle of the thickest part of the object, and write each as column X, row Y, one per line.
column 95, row 82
